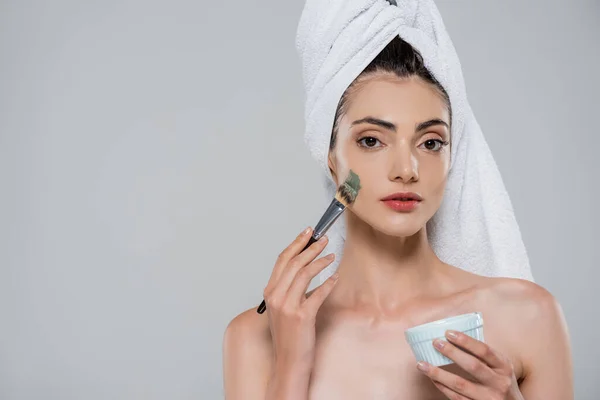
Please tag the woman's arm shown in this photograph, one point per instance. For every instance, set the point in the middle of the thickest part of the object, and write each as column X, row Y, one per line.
column 271, row 356
column 547, row 358
column 248, row 370
column 246, row 358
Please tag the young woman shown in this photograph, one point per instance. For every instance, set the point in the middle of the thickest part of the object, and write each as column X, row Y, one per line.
column 345, row 339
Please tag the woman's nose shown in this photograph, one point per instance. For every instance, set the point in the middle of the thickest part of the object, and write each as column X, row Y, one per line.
column 404, row 165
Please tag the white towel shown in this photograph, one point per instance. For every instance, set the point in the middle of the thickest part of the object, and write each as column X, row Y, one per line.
column 475, row 228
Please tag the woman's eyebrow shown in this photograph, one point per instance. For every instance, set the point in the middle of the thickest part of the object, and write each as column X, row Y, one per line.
column 390, row 126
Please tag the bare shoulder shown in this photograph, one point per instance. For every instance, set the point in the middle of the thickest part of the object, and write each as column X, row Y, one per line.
column 248, row 333
column 247, row 354
column 249, row 325
column 531, row 304
column 535, row 315
column 527, row 295
column 539, row 333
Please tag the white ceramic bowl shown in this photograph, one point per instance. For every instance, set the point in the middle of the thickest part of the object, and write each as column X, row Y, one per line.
column 421, row 337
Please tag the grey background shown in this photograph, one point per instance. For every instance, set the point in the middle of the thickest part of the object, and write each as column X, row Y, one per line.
column 152, row 167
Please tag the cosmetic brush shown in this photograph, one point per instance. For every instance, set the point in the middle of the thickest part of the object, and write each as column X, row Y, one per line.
column 344, row 197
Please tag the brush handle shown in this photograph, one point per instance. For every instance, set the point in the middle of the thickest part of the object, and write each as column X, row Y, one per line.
column 332, row 213
column 263, row 306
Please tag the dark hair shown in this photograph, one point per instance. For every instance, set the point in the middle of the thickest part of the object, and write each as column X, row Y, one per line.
column 398, row 58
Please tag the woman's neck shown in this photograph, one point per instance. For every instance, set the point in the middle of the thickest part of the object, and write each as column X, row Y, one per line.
column 381, row 273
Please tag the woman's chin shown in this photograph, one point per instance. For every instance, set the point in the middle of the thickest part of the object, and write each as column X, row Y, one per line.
column 400, row 228
column 402, row 231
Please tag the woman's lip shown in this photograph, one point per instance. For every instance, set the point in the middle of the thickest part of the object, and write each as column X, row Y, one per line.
column 401, row 205
column 403, row 195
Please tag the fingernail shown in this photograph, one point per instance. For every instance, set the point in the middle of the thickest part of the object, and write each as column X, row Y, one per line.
column 306, row 231
column 452, row 335
column 330, row 256
column 323, row 238
column 439, row 344
column 422, row 366
column 335, row 276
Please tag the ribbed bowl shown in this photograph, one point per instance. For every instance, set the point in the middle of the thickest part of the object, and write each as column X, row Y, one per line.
column 421, row 337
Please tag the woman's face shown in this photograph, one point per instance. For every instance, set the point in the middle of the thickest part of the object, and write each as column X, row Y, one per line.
column 390, row 153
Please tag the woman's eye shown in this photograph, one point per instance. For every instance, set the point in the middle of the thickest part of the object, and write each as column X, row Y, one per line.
column 369, row 142
column 432, row 142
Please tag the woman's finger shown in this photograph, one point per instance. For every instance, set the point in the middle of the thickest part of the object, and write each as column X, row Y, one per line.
column 477, row 348
column 451, row 394
column 289, row 272
column 286, row 255
column 311, row 252
column 318, row 296
column 474, row 366
column 297, row 290
column 458, row 384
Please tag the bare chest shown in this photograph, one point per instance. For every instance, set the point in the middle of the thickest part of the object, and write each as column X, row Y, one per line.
column 374, row 361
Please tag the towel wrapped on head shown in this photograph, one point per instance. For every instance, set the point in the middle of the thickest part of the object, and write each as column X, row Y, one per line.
column 475, row 227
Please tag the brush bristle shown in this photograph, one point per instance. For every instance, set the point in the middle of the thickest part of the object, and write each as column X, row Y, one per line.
column 347, row 191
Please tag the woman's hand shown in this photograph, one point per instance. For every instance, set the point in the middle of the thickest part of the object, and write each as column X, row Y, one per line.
column 291, row 313
column 494, row 373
